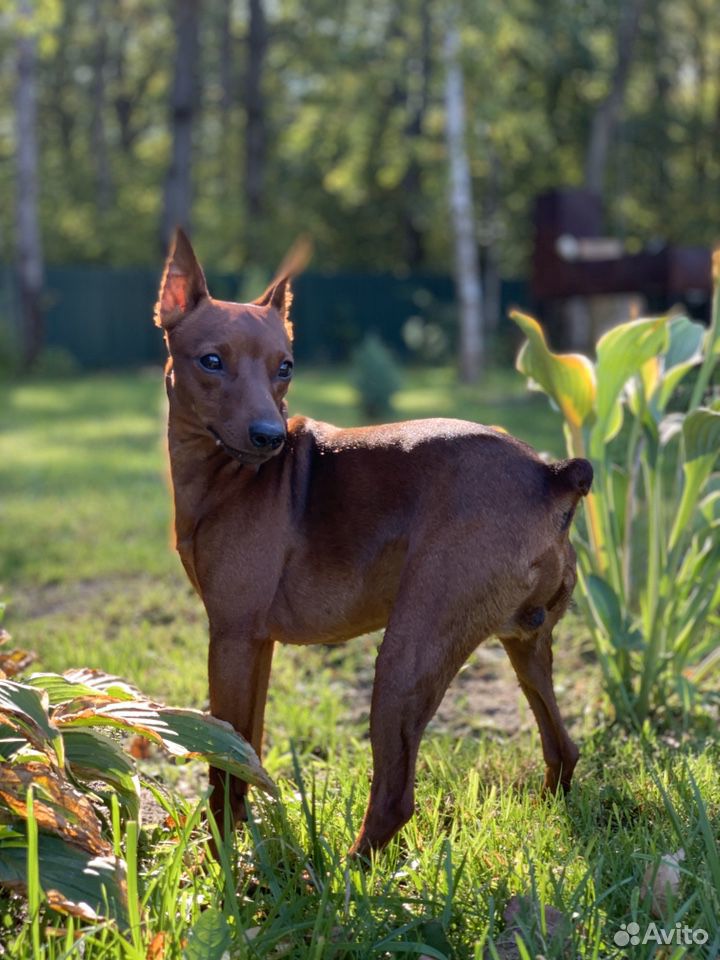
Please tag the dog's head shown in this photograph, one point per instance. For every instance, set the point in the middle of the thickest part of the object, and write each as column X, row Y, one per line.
column 230, row 363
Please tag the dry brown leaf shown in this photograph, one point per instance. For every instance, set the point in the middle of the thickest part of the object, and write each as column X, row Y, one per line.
column 156, row 947
column 140, row 747
column 57, row 805
column 13, row 662
column 663, row 882
column 556, row 924
column 58, row 901
column 62, row 904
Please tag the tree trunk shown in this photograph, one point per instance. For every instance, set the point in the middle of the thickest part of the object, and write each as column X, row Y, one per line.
column 467, row 277
column 490, row 233
column 418, row 95
column 29, row 243
column 225, row 43
column 255, row 119
column 61, row 79
column 607, row 114
column 98, row 135
column 226, row 76
column 183, row 106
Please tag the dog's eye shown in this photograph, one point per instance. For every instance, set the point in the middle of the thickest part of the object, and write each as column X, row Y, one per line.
column 211, row 361
column 285, row 370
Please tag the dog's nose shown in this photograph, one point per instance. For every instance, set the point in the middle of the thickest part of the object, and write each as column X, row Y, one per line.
column 266, row 436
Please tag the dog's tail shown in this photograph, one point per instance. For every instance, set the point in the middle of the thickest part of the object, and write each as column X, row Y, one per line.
column 569, row 480
column 573, row 476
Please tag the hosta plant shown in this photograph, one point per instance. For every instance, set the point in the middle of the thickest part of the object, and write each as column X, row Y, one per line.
column 649, row 554
column 65, row 777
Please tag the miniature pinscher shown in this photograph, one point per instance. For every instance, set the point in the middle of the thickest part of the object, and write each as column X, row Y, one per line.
column 443, row 532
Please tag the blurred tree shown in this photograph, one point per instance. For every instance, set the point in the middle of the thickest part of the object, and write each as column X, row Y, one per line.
column 328, row 116
column 183, row 106
column 29, row 256
column 98, row 138
column 607, row 113
column 255, row 120
column 419, row 75
column 462, row 212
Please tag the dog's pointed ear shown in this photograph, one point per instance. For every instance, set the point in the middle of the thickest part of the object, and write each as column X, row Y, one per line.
column 183, row 283
column 279, row 294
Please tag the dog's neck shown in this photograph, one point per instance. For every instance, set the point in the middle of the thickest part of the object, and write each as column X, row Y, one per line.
column 199, row 468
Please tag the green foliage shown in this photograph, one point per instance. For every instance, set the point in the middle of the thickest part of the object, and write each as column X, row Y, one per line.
column 376, row 377
column 9, row 350
column 650, row 563
column 62, row 778
column 55, row 363
column 345, row 164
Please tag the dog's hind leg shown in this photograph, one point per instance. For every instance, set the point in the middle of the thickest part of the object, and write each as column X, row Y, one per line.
column 419, row 656
column 239, row 672
column 532, row 660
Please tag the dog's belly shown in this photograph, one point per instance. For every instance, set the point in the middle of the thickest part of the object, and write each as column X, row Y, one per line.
column 329, row 602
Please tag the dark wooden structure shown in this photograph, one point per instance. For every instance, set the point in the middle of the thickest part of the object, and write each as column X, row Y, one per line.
column 569, row 259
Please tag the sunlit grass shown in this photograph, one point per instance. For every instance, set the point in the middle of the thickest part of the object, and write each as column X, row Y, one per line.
column 86, row 566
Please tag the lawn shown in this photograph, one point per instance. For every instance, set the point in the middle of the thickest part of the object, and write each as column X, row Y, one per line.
column 89, row 578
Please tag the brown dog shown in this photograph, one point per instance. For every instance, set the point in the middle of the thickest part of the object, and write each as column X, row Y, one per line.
column 442, row 531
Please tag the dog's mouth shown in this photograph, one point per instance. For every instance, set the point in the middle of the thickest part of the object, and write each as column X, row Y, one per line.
column 250, row 458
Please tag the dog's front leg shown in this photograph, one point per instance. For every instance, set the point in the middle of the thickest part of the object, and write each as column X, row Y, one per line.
column 239, row 671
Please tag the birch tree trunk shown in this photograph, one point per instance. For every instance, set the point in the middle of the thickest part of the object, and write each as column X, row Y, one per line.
column 467, row 276
column 605, row 120
column 183, row 106
column 29, row 258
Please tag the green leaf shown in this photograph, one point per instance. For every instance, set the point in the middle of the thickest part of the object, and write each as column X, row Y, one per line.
column 670, row 426
column 432, row 933
column 609, row 615
column 91, row 757
column 58, row 688
column 72, row 880
column 605, row 604
column 28, row 709
column 568, row 378
column 701, row 432
column 621, row 353
column 701, row 436
column 185, row 733
column 11, row 740
column 209, row 937
column 710, row 507
column 683, row 354
column 75, row 684
column 685, row 342
column 620, row 479
column 199, row 736
column 101, row 682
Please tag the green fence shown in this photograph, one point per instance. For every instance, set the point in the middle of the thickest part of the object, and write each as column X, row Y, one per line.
column 103, row 315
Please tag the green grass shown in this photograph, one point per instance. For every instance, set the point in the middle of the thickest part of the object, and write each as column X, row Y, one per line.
column 86, row 569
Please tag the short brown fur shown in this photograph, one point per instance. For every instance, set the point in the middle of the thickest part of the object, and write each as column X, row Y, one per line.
column 294, row 531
